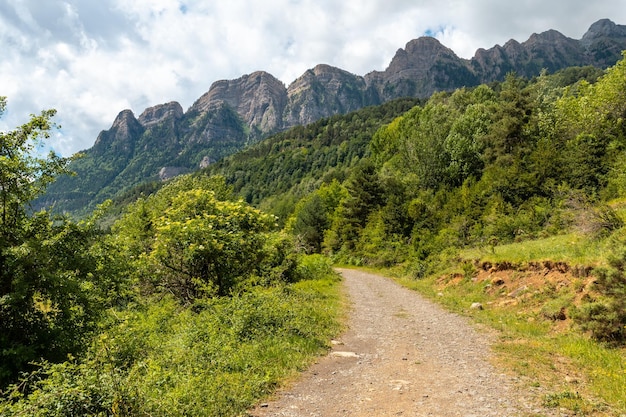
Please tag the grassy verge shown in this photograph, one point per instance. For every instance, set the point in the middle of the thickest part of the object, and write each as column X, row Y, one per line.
column 531, row 309
column 573, row 248
column 217, row 358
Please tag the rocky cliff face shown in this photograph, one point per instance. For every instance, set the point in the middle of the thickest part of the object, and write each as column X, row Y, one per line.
column 604, row 41
column 423, row 67
column 168, row 113
column 324, row 91
column 252, row 106
column 166, row 140
column 549, row 50
column 121, row 137
column 259, row 98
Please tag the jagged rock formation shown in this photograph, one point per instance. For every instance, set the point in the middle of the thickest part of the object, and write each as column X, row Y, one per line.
column 604, row 41
column 324, row 91
column 259, row 99
column 423, row 67
column 119, row 138
column 165, row 140
column 163, row 113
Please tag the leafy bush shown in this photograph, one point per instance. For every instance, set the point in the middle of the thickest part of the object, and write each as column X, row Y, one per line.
column 314, row 267
column 604, row 315
column 214, row 358
column 193, row 242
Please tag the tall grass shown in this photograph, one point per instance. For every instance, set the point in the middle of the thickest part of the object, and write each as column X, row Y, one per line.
column 573, row 248
column 605, row 367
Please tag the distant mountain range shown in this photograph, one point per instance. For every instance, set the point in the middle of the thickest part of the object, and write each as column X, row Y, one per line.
column 165, row 141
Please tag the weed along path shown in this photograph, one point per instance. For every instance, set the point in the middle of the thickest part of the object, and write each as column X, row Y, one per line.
column 401, row 356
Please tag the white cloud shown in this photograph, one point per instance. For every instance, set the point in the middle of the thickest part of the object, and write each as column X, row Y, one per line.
column 90, row 60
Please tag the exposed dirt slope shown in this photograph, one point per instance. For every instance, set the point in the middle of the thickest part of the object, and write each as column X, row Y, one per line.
column 402, row 356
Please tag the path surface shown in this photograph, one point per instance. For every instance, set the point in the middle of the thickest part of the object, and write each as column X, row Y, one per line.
column 401, row 356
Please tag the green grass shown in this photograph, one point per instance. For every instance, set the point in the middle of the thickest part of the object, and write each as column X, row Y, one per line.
column 605, row 367
column 572, row 248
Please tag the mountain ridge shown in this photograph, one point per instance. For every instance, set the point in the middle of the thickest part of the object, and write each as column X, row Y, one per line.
column 234, row 113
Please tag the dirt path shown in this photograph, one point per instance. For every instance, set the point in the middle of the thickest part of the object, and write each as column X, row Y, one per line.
column 402, row 356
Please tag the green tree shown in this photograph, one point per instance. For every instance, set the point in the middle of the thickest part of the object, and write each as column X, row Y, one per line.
column 365, row 195
column 423, row 143
column 513, row 111
column 49, row 275
column 604, row 313
column 313, row 216
column 196, row 245
column 24, row 176
column 309, row 222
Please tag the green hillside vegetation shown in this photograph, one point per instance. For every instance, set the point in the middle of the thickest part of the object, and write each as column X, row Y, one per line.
column 194, row 303
column 208, row 291
column 276, row 172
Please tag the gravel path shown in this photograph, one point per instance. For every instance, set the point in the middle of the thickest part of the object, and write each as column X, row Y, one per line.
column 401, row 356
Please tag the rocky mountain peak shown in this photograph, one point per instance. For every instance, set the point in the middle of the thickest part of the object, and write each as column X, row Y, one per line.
column 419, row 55
column 603, row 42
column 122, row 134
column 421, row 68
column 426, row 44
column 604, row 27
column 159, row 113
column 549, row 36
column 258, row 97
column 328, row 70
column 321, row 92
column 124, row 119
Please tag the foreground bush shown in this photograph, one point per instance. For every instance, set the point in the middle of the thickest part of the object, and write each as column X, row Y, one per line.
column 604, row 314
column 217, row 357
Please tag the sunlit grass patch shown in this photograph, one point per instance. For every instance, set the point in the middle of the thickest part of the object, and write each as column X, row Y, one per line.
column 573, row 248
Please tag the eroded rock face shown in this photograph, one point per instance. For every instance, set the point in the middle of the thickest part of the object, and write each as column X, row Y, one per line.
column 248, row 108
column 259, row 98
column 421, row 68
column 152, row 116
column 167, row 173
column 549, row 50
column 324, row 91
column 122, row 135
column 604, row 41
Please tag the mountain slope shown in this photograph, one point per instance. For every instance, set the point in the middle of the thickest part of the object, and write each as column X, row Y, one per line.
column 165, row 141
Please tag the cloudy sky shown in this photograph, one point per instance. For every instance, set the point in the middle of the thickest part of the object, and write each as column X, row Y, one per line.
column 91, row 59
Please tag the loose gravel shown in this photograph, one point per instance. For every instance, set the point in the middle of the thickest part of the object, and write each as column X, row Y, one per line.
column 403, row 355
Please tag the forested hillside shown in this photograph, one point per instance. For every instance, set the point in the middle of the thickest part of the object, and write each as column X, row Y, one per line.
column 199, row 301
column 293, row 163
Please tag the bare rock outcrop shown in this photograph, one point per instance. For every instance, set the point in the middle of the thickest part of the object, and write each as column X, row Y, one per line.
column 324, row 91
column 604, row 41
column 259, row 98
column 421, row 68
column 122, row 135
column 152, row 116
